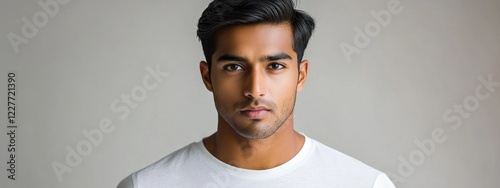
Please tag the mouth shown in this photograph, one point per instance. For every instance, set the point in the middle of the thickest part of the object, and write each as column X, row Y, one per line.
column 257, row 112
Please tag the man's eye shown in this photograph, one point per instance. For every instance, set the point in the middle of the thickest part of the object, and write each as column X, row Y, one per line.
column 276, row 66
column 233, row 67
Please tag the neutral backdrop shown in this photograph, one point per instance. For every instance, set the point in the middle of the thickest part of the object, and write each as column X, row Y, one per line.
column 402, row 88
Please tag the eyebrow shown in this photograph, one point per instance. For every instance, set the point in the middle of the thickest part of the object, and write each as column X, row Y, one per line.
column 275, row 57
column 229, row 57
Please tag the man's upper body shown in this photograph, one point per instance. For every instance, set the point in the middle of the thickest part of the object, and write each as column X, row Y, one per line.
column 316, row 165
column 254, row 67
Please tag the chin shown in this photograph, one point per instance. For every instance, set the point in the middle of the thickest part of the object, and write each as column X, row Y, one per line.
column 254, row 132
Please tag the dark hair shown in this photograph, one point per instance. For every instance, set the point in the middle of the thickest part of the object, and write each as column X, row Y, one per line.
column 222, row 13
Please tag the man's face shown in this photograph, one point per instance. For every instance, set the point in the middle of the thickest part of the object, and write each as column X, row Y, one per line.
column 255, row 78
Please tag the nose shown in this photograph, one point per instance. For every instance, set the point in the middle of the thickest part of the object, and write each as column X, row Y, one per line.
column 255, row 84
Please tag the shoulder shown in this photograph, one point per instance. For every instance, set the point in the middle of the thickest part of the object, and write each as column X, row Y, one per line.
column 343, row 168
column 173, row 160
column 128, row 182
column 340, row 160
column 163, row 170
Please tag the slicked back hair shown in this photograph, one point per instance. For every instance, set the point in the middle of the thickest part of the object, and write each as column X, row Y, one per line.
column 222, row 13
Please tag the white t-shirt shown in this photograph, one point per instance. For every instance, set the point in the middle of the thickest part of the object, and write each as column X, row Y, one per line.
column 316, row 165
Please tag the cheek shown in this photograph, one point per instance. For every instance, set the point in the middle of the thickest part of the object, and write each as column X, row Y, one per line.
column 226, row 88
column 285, row 81
column 283, row 88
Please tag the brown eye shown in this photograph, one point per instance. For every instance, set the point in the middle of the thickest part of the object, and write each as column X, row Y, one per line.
column 276, row 66
column 233, row 67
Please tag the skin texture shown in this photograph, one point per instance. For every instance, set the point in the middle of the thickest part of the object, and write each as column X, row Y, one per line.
column 254, row 79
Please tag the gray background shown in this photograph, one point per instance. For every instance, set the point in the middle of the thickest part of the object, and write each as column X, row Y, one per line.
column 394, row 92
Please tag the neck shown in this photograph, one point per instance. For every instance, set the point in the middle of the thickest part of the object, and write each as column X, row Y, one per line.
column 255, row 154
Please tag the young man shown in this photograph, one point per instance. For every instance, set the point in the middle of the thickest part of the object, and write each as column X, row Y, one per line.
column 254, row 68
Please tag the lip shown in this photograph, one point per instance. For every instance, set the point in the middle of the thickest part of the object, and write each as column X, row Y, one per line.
column 257, row 112
column 254, row 108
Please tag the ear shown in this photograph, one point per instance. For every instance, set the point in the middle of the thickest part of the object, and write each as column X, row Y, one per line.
column 205, row 75
column 303, row 67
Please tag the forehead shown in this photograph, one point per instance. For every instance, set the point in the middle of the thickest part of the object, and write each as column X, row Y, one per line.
column 255, row 39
